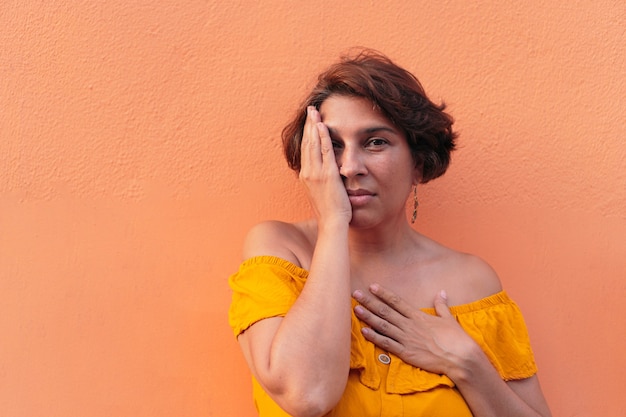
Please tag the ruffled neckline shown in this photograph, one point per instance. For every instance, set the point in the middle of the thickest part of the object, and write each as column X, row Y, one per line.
column 403, row 378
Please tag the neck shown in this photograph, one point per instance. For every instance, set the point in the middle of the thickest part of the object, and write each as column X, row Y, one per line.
column 382, row 256
column 381, row 244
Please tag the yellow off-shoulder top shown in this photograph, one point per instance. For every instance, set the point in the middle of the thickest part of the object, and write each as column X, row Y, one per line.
column 267, row 286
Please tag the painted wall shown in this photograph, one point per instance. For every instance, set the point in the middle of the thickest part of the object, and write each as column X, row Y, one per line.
column 140, row 140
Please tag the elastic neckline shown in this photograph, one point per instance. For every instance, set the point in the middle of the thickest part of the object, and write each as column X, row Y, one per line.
column 483, row 303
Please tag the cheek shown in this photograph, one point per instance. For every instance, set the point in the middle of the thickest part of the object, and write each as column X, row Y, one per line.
column 404, row 168
column 395, row 169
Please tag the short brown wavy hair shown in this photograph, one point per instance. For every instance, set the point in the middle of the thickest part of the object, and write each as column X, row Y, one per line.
column 397, row 93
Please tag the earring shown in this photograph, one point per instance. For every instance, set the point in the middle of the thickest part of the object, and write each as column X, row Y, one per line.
column 415, row 204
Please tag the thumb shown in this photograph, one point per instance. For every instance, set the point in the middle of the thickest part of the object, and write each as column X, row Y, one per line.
column 441, row 304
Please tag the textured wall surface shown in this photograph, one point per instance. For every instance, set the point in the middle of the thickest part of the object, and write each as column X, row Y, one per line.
column 140, row 140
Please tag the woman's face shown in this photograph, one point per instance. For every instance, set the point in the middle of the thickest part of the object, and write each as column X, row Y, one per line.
column 373, row 157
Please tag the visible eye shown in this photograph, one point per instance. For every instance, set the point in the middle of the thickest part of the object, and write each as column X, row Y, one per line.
column 376, row 142
column 337, row 145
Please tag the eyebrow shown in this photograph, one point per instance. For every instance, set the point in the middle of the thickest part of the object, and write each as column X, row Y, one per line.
column 370, row 130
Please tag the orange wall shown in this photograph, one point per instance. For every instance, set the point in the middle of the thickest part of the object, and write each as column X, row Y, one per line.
column 140, row 140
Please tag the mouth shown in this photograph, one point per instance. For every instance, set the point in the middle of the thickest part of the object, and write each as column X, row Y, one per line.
column 360, row 197
column 359, row 192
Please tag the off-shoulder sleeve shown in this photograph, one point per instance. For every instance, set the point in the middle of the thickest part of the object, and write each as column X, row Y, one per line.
column 497, row 325
column 263, row 287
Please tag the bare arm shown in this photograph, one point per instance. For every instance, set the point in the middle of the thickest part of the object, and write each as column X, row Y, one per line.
column 302, row 360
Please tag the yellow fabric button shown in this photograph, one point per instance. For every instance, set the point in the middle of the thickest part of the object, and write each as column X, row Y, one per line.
column 384, row 359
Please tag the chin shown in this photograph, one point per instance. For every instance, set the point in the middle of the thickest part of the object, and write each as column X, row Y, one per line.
column 363, row 222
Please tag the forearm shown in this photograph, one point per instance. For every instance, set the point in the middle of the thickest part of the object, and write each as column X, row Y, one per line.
column 488, row 395
column 310, row 352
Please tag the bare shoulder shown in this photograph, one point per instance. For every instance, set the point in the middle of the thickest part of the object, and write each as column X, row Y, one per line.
column 466, row 277
column 476, row 277
column 289, row 241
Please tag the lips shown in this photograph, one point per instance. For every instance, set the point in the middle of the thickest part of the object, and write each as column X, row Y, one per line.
column 359, row 192
column 359, row 197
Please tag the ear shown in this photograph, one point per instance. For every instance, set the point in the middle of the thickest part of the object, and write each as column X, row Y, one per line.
column 417, row 174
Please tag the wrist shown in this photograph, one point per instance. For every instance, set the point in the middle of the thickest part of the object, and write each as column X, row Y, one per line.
column 464, row 367
column 332, row 226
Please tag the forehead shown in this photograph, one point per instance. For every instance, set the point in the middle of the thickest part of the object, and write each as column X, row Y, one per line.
column 341, row 112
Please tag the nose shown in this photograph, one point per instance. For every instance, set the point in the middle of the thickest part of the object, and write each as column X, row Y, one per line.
column 351, row 162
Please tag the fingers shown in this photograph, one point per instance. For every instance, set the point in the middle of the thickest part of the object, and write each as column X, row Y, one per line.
column 384, row 309
column 317, row 151
column 441, row 305
column 378, row 315
column 382, row 341
column 310, row 148
column 391, row 299
column 319, row 172
column 380, row 332
column 326, row 145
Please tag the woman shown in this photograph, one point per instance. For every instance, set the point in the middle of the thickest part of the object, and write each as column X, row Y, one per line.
column 347, row 314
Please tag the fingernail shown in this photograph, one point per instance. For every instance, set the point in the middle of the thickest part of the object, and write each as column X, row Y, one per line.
column 359, row 310
column 374, row 288
column 357, row 294
column 443, row 294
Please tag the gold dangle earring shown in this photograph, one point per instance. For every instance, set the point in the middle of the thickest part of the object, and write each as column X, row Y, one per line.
column 415, row 204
